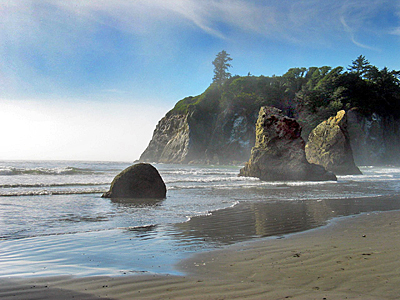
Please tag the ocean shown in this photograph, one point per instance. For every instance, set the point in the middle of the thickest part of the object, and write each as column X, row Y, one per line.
column 53, row 220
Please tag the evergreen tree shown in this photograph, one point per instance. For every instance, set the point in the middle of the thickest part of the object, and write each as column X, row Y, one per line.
column 360, row 66
column 221, row 66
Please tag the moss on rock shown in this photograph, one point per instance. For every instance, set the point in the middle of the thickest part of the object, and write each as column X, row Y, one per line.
column 329, row 146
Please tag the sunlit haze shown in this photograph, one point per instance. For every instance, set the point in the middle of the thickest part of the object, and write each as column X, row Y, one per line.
column 89, row 79
column 76, row 131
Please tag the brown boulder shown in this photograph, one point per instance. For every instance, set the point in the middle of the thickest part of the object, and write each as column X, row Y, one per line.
column 138, row 181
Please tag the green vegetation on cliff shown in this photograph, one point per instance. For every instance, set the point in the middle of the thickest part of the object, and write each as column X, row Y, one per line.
column 308, row 94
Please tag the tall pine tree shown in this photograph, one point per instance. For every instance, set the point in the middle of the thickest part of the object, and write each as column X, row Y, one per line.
column 360, row 66
column 221, row 66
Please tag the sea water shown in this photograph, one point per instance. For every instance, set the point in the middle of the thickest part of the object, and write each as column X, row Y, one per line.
column 53, row 220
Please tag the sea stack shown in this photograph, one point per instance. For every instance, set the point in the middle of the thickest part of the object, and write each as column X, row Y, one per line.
column 138, row 181
column 278, row 154
column 329, row 146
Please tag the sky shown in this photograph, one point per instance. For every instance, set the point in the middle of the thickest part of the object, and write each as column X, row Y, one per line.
column 90, row 79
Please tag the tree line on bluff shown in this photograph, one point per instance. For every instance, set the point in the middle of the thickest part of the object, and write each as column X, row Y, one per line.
column 310, row 95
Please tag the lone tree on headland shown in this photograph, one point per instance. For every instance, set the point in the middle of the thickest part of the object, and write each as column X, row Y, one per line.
column 221, row 66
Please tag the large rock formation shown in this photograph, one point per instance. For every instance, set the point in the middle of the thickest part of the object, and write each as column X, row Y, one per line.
column 217, row 127
column 329, row 146
column 137, row 181
column 279, row 153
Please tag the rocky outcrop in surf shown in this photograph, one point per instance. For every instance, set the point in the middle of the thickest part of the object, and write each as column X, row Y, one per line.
column 278, row 154
column 138, row 181
column 329, row 146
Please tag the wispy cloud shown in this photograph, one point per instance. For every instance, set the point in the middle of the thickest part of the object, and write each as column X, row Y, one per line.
column 43, row 37
column 351, row 33
column 395, row 31
column 114, row 91
column 366, row 18
column 291, row 20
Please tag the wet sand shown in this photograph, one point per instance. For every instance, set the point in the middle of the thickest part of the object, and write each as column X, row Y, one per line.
column 351, row 258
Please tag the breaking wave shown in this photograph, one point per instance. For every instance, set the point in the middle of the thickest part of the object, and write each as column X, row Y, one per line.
column 44, row 171
column 50, row 192
column 41, row 185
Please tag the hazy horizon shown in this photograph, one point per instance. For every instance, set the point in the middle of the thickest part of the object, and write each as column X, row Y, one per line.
column 89, row 80
column 76, row 130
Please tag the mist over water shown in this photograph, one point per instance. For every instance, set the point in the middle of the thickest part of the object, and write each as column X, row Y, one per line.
column 52, row 214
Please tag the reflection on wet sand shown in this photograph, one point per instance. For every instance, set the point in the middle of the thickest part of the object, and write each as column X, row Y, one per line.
column 248, row 220
column 136, row 202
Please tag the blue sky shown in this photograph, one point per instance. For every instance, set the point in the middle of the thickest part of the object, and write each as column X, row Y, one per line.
column 89, row 79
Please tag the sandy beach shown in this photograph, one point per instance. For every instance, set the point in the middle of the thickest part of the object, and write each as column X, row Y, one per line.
column 352, row 258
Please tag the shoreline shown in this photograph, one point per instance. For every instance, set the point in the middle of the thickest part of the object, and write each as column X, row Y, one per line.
column 157, row 249
column 354, row 257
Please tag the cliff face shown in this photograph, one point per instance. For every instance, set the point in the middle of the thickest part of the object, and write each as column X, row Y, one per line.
column 200, row 136
column 226, row 137
column 375, row 139
column 170, row 141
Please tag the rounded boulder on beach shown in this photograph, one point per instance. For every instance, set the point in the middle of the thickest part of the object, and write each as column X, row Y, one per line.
column 138, row 181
